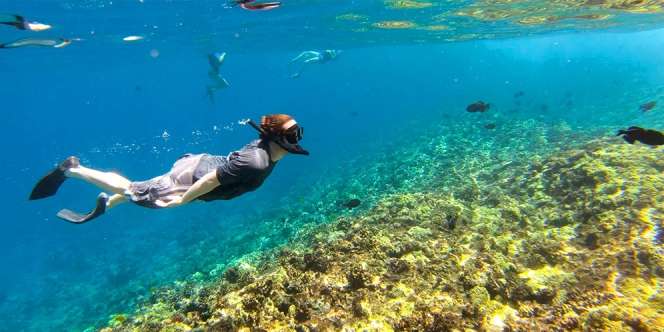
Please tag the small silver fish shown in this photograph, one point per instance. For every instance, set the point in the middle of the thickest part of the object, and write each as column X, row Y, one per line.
column 132, row 38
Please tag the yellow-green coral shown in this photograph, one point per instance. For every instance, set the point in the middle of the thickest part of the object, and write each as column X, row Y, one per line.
column 552, row 246
column 352, row 17
column 408, row 4
column 546, row 278
column 117, row 320
column 394, row 25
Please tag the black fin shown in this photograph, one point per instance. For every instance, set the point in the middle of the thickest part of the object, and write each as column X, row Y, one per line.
column 48, row 185
column 20, row 22
column 76, row 218
column 16, row 21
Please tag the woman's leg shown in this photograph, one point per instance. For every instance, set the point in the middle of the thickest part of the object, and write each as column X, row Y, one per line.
column 49, row 184
column 300, row 56
column 107, row 181
column 114, row 200
column 103, row 204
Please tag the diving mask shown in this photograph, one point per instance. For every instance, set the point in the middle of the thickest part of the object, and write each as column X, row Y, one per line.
column 292, row 134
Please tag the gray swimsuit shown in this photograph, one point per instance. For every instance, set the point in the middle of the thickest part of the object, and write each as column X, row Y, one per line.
column 239, row 172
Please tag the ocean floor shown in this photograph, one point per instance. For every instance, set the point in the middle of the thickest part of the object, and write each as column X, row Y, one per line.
column 530, row 227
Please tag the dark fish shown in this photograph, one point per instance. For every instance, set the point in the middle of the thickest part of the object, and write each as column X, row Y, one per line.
column 490, row 126
column 645, row 136
column 450, row 223
column 648, row 106
column 478, row 106
column 232, row 275
column 591, row 241
column 354, row 113
column 519, row 94
column 544, row 108
column 352, row 203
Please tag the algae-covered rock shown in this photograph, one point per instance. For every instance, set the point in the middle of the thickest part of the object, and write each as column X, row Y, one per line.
column 543, row 284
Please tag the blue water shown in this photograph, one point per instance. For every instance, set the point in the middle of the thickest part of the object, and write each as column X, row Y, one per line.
column 109, row 102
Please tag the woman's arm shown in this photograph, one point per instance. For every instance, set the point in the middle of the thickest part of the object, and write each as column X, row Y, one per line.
column 201, row 187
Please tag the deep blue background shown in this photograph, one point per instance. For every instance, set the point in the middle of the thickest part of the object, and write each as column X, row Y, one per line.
column 109, row 102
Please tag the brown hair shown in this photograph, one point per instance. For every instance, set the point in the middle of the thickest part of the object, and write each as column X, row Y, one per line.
column 273, row 123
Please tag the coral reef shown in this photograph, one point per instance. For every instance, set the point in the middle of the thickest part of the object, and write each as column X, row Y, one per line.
column 490, row 19
column 394, row 25
column 567, row 242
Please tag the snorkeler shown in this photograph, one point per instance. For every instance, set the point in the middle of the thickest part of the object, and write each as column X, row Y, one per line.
column 55, row 43
column 251, row 5
column 20, row 23
column 308, row 57
column 193, row 176
column 218, row 82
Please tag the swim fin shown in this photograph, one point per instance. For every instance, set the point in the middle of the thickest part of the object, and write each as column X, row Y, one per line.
column 16, row 21
column 49, row 184
column 76, row 218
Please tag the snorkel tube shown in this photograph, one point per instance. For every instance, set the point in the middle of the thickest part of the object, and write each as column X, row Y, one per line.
column 279, row 140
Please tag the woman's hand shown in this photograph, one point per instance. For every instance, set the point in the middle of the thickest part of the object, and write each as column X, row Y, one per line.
column 175, row 201
column 201, row 187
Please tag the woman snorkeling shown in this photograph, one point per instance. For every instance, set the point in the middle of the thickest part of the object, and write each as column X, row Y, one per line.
column 309, row 57
column 193, row 176
column 218, row 82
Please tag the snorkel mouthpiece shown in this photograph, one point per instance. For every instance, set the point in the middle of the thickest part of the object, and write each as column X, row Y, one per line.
column 294, row 149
